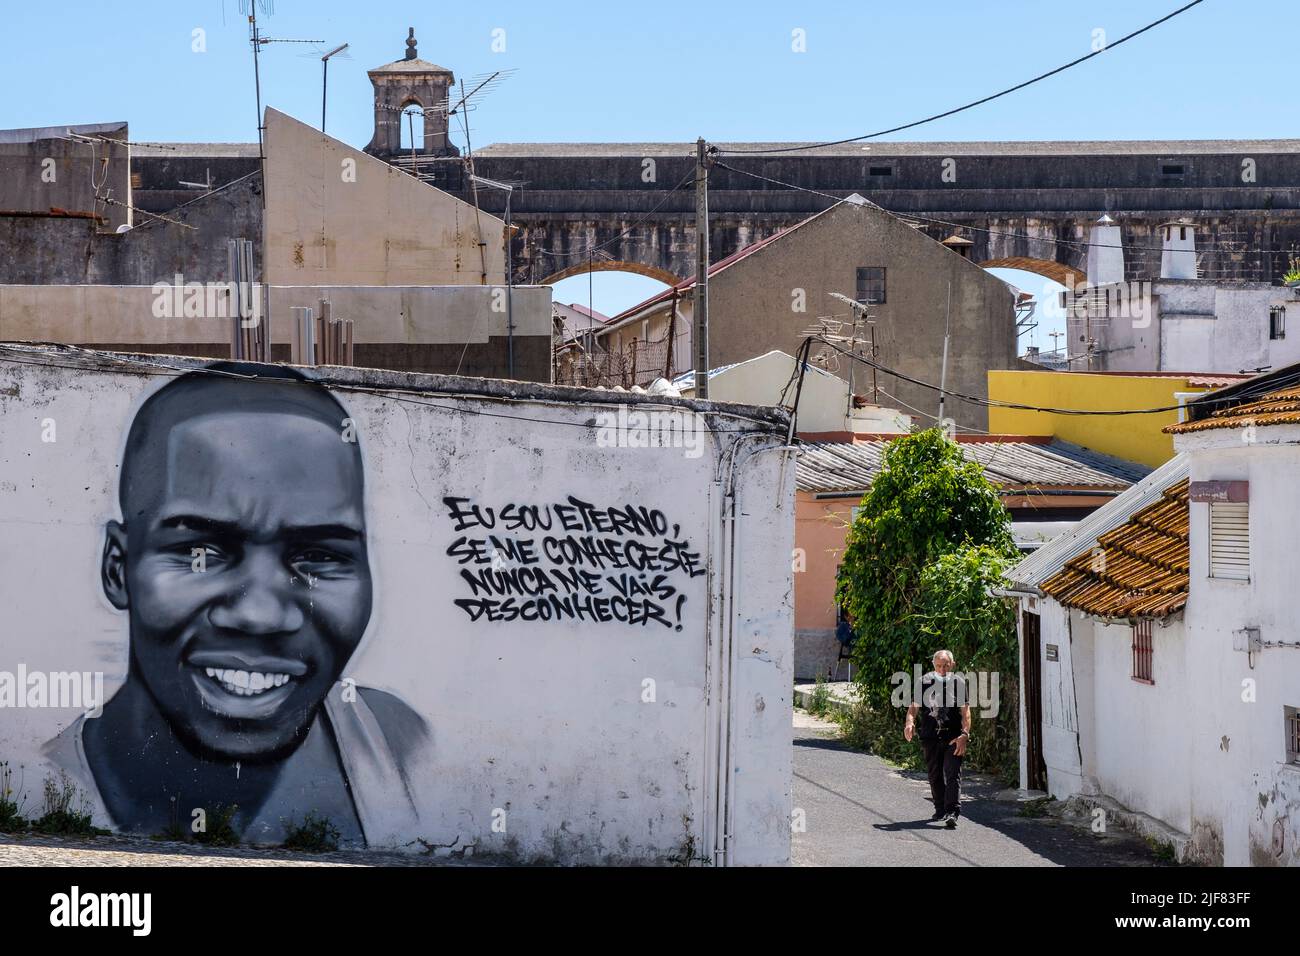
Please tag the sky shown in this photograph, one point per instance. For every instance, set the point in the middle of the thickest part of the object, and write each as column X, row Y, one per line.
column 669, row 70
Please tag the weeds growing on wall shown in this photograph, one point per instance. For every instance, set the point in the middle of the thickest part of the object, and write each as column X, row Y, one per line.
column 66, row 808
column 820, row 700
column 219, row 829
column 316, row 834
column 11, row 810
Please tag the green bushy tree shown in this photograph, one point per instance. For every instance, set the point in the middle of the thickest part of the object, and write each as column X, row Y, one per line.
column 930, row 540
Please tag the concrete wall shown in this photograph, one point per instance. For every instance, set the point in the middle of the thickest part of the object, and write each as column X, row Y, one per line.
column 45, row 169
column 442, row 329
column 560, row 740
column 335, row 215
column 74, row 252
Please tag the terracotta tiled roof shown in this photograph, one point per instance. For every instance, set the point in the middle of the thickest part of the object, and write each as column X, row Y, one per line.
column 1139, row 569
column 1275, row 408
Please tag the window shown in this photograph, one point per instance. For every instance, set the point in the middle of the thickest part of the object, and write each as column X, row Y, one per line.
column 871, row 285
column 1142, row 652
column 881, row 170
column 1292, row 734
column 1277, row 322
column 1230, row 540
column 1171, row 169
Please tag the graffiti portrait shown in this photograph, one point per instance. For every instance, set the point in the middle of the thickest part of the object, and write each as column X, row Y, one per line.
column 241, row 564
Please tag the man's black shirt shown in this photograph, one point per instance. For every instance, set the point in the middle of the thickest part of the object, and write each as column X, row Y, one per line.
column 941, row 701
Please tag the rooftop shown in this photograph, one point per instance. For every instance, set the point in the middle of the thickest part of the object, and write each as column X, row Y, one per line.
column 1137, row 570
column 1016, row 464
column 877, row 148
column 1281, row 407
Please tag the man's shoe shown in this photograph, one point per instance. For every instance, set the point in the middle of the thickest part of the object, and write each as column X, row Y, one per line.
column 950, row 821
column 937, row 816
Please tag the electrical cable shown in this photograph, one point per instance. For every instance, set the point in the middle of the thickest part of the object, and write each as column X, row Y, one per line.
column 1236, row 398
column 973, row 104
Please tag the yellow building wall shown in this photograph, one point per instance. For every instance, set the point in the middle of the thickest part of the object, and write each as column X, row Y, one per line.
column 1132, row 437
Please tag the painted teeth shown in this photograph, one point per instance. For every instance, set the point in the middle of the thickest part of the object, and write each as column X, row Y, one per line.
column 246, row 683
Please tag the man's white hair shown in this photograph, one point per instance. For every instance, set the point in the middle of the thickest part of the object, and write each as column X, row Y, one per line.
column 947, row 654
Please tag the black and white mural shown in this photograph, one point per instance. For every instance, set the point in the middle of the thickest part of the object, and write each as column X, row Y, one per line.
column 441, row 622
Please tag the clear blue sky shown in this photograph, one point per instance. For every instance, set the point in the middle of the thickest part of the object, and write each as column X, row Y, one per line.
column 669, row 70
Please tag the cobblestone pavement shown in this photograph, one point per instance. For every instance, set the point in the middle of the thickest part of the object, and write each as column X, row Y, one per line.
column 33, row 850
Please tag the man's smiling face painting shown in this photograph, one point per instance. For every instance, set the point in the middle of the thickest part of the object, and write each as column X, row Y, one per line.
column 253, row 482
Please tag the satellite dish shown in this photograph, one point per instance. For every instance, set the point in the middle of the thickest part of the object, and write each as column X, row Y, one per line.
column 123, row 228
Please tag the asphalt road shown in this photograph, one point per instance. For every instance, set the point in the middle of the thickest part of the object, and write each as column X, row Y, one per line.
column 861, row 811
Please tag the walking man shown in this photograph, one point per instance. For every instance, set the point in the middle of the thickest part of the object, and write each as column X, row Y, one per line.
column 944, row 732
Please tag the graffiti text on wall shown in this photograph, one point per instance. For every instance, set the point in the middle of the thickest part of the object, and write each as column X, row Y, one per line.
column 571, row 561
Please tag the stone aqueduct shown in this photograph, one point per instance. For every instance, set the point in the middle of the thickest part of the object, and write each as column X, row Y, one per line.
column 1024, row 205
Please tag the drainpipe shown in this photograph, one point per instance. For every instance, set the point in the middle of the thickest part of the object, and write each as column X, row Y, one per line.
column 730, row 545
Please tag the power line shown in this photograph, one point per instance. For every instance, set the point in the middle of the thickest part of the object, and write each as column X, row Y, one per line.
column 1273, row 384
column 973, row 104
column 960, row 225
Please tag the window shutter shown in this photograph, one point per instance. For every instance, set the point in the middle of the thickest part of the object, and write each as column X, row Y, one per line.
column 1230, row 540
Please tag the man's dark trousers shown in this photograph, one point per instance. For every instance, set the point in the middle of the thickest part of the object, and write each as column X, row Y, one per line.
column 944, row 768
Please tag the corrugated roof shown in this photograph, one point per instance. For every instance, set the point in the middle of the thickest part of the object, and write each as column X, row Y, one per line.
column 1047, row 560
column 1281, row 407
column 841, row 467
column 1139, row 569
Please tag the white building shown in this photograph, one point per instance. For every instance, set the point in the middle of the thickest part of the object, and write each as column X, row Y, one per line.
column 1160, row 660
column 1178, row 322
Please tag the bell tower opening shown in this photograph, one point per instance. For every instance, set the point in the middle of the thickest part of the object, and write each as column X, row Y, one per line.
column 411, row 84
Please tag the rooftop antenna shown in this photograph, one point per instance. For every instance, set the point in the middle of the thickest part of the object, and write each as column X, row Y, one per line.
column 257, row 41
column 325, row 79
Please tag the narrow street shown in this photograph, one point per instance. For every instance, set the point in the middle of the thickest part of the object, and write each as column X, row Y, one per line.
column 861, row 811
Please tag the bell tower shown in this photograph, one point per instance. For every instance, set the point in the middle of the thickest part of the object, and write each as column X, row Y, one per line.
column 410, row 83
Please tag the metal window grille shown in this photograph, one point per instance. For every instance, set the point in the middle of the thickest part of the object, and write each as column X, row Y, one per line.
column 1142, row 652
column 1277, row 322
column 1292, row 734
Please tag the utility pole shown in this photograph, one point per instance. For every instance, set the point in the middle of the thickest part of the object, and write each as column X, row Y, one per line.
column 701, row 269
column 943, row 373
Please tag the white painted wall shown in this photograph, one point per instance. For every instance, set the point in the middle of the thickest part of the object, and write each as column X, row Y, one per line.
column 545, row 720
column 1243, row 791
column 1192, row 326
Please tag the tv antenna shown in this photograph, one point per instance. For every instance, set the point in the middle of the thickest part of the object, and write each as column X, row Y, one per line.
column 257, row 41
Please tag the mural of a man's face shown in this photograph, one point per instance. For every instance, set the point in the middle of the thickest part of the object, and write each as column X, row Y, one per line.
column 255, row 478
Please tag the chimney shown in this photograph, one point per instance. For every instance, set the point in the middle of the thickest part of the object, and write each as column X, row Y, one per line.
column 1178, row 250
column 1105, row 255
